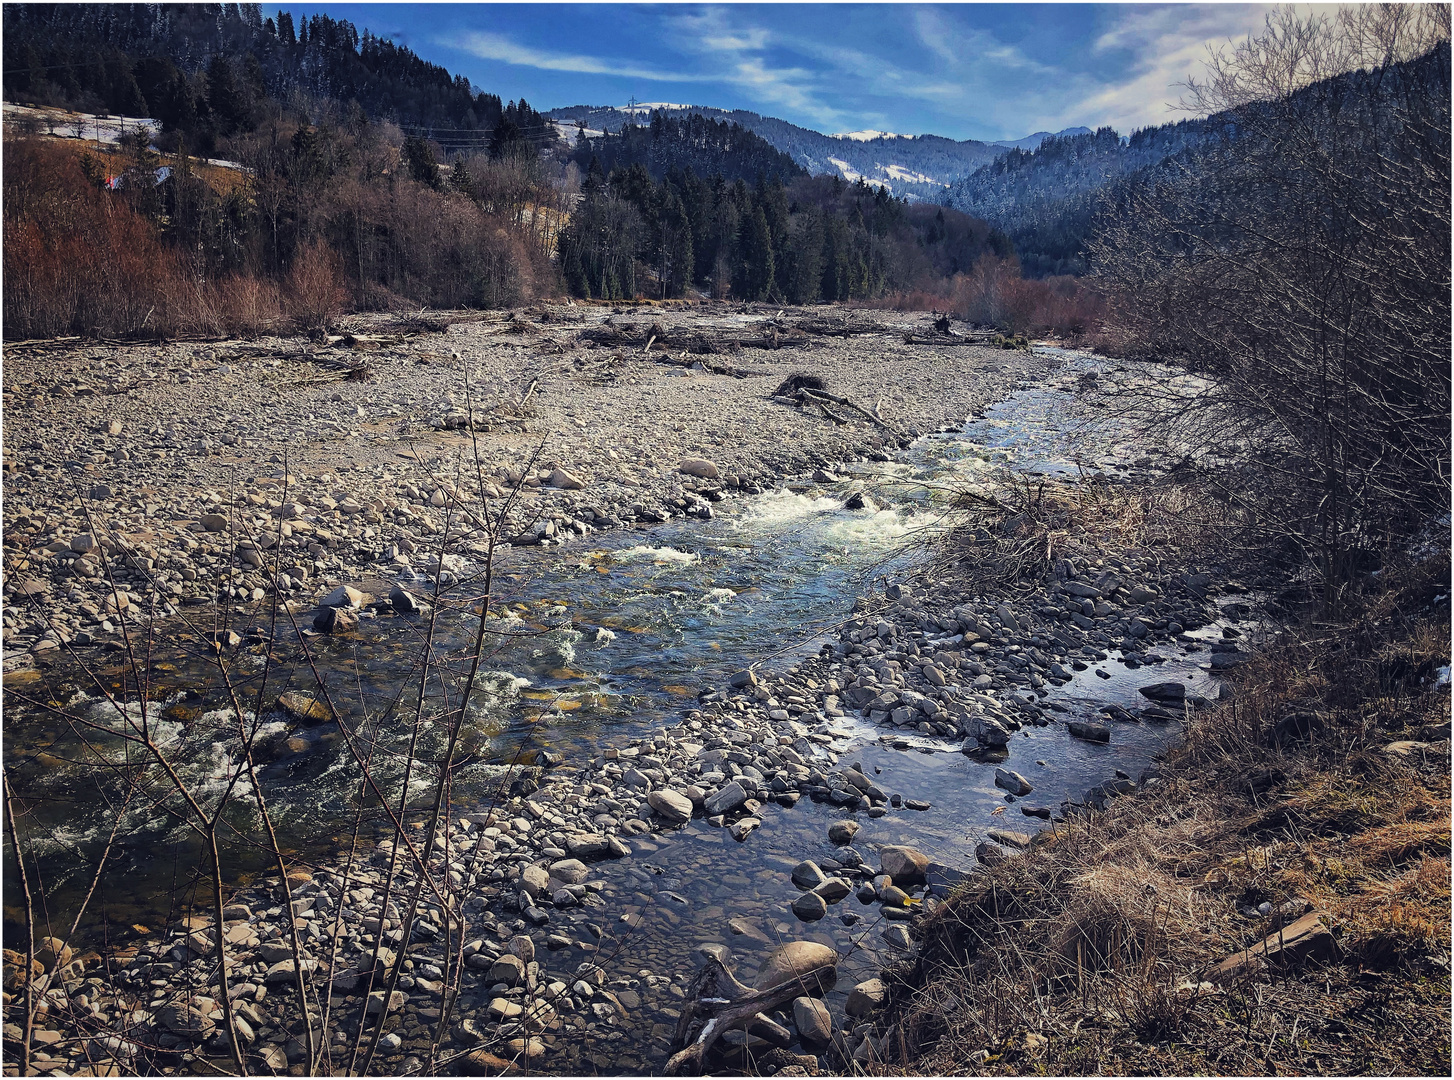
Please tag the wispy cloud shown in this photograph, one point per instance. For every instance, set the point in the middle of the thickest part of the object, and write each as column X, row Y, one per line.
column 1167, row 45
column 495, row 47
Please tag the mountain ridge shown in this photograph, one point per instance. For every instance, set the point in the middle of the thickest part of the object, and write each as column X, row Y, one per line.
column 917, row 166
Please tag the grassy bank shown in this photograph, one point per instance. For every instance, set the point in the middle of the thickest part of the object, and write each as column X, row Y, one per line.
column 1322, row 787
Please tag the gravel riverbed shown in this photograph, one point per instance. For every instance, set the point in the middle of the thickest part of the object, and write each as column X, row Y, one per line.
column 549, row 887
column 196, row 459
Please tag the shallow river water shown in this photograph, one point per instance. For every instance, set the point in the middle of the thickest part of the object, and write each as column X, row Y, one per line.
column 625, row 629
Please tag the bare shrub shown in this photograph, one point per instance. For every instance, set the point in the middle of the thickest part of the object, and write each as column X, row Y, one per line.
column 315, row 291
column 249, row 305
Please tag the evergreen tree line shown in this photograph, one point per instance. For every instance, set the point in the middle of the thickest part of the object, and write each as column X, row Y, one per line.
column 648, row 222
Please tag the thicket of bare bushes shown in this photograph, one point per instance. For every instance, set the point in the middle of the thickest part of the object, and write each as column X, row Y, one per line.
column 324, row 219
column 1302, row 262
column 993, row 293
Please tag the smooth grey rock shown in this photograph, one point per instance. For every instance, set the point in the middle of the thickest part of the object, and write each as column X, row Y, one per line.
column 1012, row 782
column 726, row 799
column 813, row 1021
column 905, row 865
column 670, row 805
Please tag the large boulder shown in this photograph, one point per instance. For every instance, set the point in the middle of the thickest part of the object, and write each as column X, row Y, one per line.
column 700, row 467
column 810, row 907
column 566, row 481
column 1165, row 691
column 813, row 1021
column 670, row 805
column 726, row 799
column 865, row 998
column 343, row 596
column 808, row 875
column 905, row 865
column 1012, row 782
column 814, row 964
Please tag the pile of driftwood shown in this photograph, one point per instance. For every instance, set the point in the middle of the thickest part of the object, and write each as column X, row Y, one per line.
column 810, row 392
column 335, row 367
column 696, row 342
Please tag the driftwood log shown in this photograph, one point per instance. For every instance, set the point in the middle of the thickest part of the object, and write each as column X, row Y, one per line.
column 718, row 1003
column 912, row 338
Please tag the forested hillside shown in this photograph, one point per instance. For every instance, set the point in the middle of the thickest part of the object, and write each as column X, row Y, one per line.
column 817, row 239
column 1046, row 199
column 206, row 70
column 336, row 207
column 706, row 147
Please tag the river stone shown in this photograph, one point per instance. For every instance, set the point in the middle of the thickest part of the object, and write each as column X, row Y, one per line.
column 810, row 907
column 808, row 875
column 595, row 846
column 282, row 972
column 905, row 865
column 504, row 1009
column 185, row 1020
column 570, row 871
column 51, row 953
column 523, row 947
column 726, row 799
column 898, row 937
column 865, row 998
column 566, row 481
column 834, row 889
column 403, row 601
column 1012, row 782
column 700, row 467
column 335, row 620
column 813, row 1021
column 376, row 1002
column 1010, row 838
column 534, row 880
column 508, row 969
column 796, row 960
column 1090, row 732
column 1165, row 691
column 343, row 596
column 671, row 805
column 842, row 832
column 742, row 828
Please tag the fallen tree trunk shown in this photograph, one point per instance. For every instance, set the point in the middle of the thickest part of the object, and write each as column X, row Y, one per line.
column 822, row 395
column 946, row 339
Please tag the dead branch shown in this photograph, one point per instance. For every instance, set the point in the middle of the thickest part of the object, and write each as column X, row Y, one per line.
column 717, row 1003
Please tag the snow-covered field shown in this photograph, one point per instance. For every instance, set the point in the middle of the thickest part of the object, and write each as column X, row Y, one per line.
column 89, row 127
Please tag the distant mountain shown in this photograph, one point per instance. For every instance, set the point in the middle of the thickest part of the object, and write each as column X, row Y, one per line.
column 917, row 166
column 1032, row 142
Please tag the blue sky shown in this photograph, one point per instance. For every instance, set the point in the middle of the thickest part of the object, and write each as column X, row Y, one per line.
column 967, row 71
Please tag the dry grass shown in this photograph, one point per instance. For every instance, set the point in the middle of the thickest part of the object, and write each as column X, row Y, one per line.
column 1089, row 954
